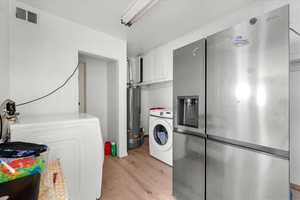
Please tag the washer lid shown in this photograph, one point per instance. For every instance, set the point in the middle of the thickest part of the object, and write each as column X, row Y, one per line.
column 162, row 134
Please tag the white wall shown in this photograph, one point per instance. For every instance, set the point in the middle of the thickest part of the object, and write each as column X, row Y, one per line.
column 4, row 50
column 43, row 55
column 101, row 93
column 112, row 101
column 156, row 95
column 96, row 91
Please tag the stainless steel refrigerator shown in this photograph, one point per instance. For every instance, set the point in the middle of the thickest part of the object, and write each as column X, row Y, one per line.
column 248, row 110
column 231, row 113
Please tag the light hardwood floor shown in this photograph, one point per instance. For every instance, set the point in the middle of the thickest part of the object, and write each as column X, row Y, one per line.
column 139, row 177
column 136, row 177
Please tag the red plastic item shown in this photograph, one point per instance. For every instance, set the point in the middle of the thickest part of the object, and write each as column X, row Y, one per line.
column 107, row 148
column 157, row 108
column 54, row 177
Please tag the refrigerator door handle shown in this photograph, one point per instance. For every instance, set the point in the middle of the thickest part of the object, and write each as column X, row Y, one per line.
column 187, row 132
column 252, row 147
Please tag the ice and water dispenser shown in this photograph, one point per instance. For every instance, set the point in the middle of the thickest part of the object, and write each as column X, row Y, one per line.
column 188, row 108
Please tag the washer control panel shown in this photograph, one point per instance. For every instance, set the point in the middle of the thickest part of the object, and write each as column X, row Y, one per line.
column 164, row 113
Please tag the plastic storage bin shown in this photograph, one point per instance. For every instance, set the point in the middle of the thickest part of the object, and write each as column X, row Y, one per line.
column 21, row 165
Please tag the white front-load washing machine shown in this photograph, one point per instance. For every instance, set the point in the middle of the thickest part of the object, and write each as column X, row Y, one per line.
column 161, row 135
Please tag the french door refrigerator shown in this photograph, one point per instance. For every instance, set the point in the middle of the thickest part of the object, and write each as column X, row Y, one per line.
column 189, row 122
column 248, row 110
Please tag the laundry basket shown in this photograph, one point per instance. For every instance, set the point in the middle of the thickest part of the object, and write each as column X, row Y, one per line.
column 21, row 165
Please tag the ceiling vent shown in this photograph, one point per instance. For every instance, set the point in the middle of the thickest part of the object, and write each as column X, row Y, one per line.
column 32, row 17
column 21, row 13
column 26, row 15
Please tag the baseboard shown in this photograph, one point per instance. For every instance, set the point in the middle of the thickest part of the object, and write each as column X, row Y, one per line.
column 295, row 187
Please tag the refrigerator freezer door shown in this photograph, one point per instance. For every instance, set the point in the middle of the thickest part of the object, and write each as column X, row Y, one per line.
column 189, row 87
column 189, row 167
column 235, row 174
column 248, row 81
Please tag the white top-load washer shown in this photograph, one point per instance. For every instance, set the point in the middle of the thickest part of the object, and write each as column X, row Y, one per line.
column 161, row 135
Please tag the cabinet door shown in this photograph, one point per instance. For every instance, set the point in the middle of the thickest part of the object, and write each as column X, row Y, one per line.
column 168, row 63
column 159, row 66
column 148, row 72
column 163, row 64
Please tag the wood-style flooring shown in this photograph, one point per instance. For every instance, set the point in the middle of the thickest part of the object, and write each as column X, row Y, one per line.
column 136, row 177
column 139, row 177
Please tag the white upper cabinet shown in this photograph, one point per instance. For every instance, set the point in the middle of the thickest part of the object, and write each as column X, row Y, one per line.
column 157, row 66
column 148, row 69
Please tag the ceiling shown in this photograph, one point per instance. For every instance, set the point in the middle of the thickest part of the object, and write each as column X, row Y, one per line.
column 166, row 21
column 171, row 19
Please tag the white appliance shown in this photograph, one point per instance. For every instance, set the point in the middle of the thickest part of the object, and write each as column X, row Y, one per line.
column 76, row 140
column 161, row 135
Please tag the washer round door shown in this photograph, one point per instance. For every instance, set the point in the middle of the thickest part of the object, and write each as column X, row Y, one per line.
column 162, row 134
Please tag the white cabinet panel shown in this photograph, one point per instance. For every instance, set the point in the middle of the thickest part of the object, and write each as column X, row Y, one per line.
column 148, row 67
column 168, row 63
column 77, row 141
column 158, row 65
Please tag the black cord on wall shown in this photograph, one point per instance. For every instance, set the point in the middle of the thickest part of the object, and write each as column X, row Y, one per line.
column 53, row 91
column 296, row 32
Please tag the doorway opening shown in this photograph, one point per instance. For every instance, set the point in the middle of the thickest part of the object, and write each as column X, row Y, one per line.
column 98, row 86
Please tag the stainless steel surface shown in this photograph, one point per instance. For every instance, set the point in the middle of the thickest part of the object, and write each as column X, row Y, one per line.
column 189, row 167
column 181, row 131
column 134, row 131
column 134, row 71
column 248, row 81
column 189, row 122
column 189, row 80
column 238, row 174
column 253, row 147
column 134, row 108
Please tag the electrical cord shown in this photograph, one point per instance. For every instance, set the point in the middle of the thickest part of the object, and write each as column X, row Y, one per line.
column 53, row 91
column 296, row 32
